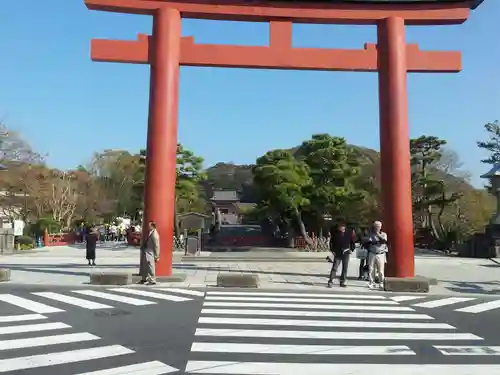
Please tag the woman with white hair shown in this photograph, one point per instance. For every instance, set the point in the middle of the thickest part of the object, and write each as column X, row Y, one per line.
column 377, row 250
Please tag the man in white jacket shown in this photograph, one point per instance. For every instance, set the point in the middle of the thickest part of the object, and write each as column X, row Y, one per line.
column 377, row 250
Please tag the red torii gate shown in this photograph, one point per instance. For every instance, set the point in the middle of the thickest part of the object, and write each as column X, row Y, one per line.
column 166, row 50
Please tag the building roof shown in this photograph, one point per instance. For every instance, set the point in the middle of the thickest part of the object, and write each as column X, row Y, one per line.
column 187, row 214
column 225, row 195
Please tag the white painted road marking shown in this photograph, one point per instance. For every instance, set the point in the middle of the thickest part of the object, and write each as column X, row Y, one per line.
column 442, row 302
column 71, row 356
column 27, row 304
column 337, row 335
column 183, row 291
column 73, row 301
column 301, row 295
column 307, row 300
column 115, row 297
column 323, row 323
column 20, row 318
column 481, row 307
column 260, row 368
column 32, row 328
column 307, row 306
column 144, row 293
column 468, row 350
column 405, row 298
column 46, row 340
column 146, row 368
column 218, row 347
column 324, row 314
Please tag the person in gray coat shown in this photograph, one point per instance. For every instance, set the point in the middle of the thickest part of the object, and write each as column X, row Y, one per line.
column 150, row 254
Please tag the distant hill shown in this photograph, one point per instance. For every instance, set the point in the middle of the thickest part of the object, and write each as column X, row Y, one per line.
column 239, row 177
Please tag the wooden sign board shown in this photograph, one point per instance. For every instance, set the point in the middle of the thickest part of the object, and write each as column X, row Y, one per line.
column 192, row 222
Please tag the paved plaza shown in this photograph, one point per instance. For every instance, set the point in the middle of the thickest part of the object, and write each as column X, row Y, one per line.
column 65, row 265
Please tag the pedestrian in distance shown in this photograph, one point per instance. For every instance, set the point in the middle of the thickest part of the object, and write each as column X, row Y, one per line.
column 90, row 245
column 150, row 254
column 377, row 254
column 342, row 243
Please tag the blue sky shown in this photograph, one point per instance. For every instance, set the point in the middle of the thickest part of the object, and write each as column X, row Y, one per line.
column 69, row 107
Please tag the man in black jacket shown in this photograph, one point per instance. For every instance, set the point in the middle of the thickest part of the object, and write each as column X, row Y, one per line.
column 342, row 243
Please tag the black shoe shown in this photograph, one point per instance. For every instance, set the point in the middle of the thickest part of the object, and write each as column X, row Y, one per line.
column 94, row 264
column 343, row 285
column 142, row 282
column 330, row 284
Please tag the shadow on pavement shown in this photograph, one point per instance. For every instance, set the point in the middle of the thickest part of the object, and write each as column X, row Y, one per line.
column 474, row 287
column 224, row 269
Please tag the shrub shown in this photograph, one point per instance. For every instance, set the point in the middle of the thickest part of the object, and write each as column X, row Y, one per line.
column 24, row 240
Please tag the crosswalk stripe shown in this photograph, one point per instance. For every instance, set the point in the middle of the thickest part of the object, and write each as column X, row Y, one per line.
column 220, row 347
column 115, row 297
column 442, row 302
column 146, row 368
column 71, row 356
column 144, row 293
column 20, row 318
column 324, row 314
column 27, row 304
column 32, row 328
column 345, row 335
column 183, row 291
column 481, row 307
column 304, row 306
column 323, row 323
column 468, row 350
column 46, row 340
column 73, row 301
column 270, row 299
column 405, row 298
column 304, row 295
column 266, row 368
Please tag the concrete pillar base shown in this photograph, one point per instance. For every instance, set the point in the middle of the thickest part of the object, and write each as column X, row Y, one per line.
column 110, row 278
column 4, row 274
column 231, row 280
column 417, row 284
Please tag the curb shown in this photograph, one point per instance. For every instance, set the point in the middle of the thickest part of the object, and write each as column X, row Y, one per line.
column 194, row 259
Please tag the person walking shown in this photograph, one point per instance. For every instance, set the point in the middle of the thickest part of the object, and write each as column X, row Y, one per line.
column 363, row 256
column 377, row 250
column 90, row 245
column 342, row 243
column 150, row 254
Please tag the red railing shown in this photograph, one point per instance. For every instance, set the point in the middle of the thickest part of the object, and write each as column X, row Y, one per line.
column 59, row 239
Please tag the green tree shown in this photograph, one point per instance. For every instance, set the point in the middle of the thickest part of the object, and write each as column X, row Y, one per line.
column 281, row 182
column 333, row 166
column 492, row 144
column 188, row 191
column 431, row 195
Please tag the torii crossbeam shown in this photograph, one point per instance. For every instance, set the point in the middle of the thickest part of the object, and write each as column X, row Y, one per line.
column 166, row 50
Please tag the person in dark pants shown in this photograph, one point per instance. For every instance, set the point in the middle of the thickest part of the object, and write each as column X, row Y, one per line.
column 90, row 246
column 342, row 243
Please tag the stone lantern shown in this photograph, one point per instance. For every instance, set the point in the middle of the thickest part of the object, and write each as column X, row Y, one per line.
column 494, row 176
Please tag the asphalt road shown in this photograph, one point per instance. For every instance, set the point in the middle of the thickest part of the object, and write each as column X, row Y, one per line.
column 150, row 331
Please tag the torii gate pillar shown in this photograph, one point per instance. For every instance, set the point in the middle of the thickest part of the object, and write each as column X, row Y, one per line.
column 159, row 194
column 394, row 145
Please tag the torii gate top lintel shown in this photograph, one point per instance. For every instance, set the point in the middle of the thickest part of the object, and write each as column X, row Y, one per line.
column 354, row 12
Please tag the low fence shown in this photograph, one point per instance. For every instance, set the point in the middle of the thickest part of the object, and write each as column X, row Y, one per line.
column 134, row 239
column 318, row 243
column 59, row 239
